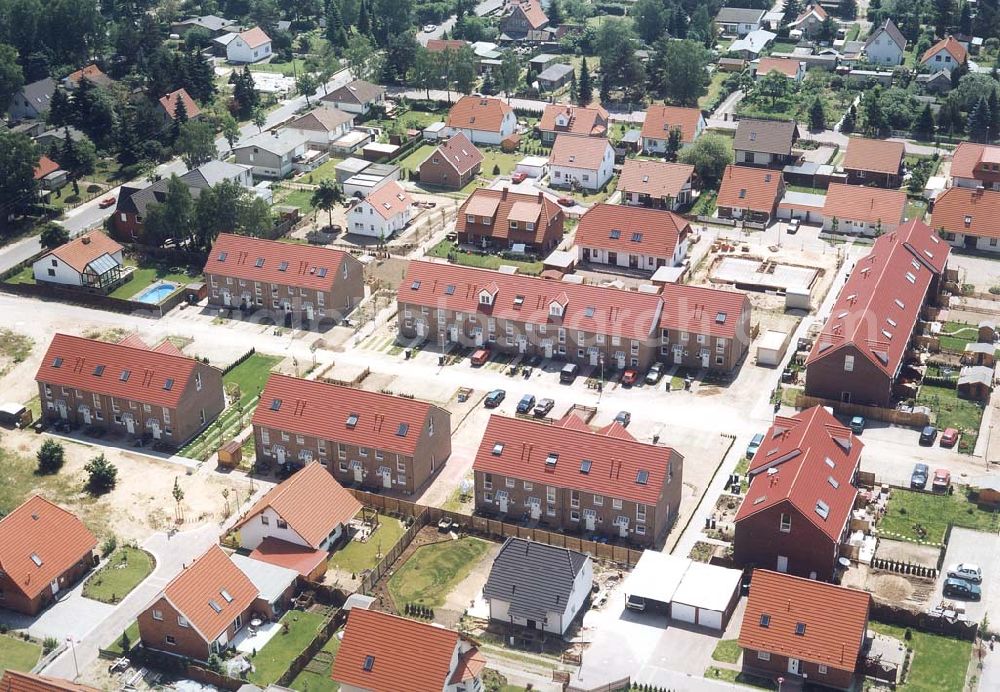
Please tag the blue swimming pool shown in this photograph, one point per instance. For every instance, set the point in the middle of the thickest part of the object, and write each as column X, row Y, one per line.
column 156, row 293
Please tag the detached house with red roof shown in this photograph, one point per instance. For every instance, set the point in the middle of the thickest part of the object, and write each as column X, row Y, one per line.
column 862, row 210
column 44, row 549
column 366, row 439
column 500, row 219
column 382, row 213
column 874, row 162
column 656, row 184
column 92, row 261
column 581, row 163
column 858, row 355
column 49, row 175
column 976, row 165
column 661, row 120
column 947, row 54
column 632, row 237
column 129, row 388
column 453, row 164
column 579, row 121
column 169, row 108
column 804, row 630
column 969, row 218
column 792, row 69
column 703, row 327
column 525, row 20
column 202, row 610
column 750, row 194
column 809, row 21
column 572, row 479
column 386, row 653
column 299, row 521
column 249, row 46
column 484, row 120
column 797, row 510
column 312, row 283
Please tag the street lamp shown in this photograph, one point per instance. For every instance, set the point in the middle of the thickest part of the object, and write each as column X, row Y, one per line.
column 72, row 646
column 600, row 384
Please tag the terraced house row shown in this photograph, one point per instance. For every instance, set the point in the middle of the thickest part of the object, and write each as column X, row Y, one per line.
column 580, row 323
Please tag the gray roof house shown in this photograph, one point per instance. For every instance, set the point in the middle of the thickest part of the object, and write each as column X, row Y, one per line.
column 551, row 78
column 538, row 586
column 739, row 21
column 357, row 97
column 32, row 101
column 764, row 142
column 215, row 25
column 272, row 154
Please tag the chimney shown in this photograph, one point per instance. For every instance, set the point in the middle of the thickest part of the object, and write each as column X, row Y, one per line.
column 541, row 197
column 274, row 133
column 503, row 193
column 86, row 238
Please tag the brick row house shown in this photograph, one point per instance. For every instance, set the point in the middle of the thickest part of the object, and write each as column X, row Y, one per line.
column 453, row 164
column 570, row 478
column 632, row 237
column 500, row 219
column 309, row 282
column 804, row 631
column 797, row 510
column 44, row 550
column 365, row 439
column 704, row 327
column 579, row 121
column 865, row 342
column 874, row 162
column 129, row 388
column 656, row 184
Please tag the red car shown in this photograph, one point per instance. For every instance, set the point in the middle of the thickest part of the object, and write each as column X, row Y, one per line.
column 949, row 437
column 567, row 201
column 106, row 202
column 630, row 377
column 942, row 479
column 519, row 177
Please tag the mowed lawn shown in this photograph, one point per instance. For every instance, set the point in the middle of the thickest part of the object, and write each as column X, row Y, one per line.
column 273, row 660
column 953, row 411
column 122, row 571
column 938, row 663
column 494, row 158
column 144, row 276
column 449, row 250
column 416, row 157
column 356, row 556
column 907, row 509
column 315, row 677
column 434, row 570
column 251, row 375
column 17, row 654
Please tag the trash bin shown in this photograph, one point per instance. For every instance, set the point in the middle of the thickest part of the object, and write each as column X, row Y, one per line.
column 407, row 354
column 440, row 360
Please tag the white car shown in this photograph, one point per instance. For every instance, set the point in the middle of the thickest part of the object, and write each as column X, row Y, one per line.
column 966, row 571
column 430, row 28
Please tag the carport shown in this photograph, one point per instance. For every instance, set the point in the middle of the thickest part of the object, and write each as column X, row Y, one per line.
column 706, row 596
column 655, row 578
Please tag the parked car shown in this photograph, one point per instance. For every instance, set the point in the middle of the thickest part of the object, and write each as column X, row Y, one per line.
column 623, row 418
column 960, row 588
column 286, row 470
column 519, row 177
column 494, row 398
column 430, row 28
column 918, row 479
column 792, row 226
column 966, row 570
column 949, row 438
column 928, row 435
column 480, row 357
column 526, row 403
column 568, row 373
column 654, row 373
column 566, row 201
column 858, row 424
column 941, row 480
column 106, row 202
column 754, row 445
column 630, row 377
column 637, row 603
column 543, row 408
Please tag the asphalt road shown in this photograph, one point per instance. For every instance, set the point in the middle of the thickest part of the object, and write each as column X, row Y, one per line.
column 482, row 9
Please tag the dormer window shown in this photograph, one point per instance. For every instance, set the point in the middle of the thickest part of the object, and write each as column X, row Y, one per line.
column 555, row 309
column 485, row 298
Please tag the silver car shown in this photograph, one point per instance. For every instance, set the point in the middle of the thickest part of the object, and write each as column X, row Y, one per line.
column 966, row 571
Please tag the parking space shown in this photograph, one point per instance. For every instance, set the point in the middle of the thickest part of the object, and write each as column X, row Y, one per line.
column 891, row 451
column 981, row 549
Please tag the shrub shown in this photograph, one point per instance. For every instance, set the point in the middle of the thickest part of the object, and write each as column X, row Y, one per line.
column 109, row 545
column 49, row 644
column 103, row 475
column 51, row 457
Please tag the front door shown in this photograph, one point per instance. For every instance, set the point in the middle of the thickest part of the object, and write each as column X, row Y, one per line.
column 386, row 478
column 478, row 335
column 502, row 499
column 154, row 427
column 612, row 258
column 590, row 519
column 620, row 359
column 85, row 412
column 453, row 333
column 129, row 424
column 227, row 298
column 704, row 357
column 845, row 397
column 279, row 452
column 547, row 345
column 678, row 355
column 63, row 413
column 623, row 527
column 793, row 666
column 536, row 510
column 594, row 355
column 421, row 329
column 522, row 344
column 358, row 471
column 309, row 311
column 782, row 563
column 54, row 585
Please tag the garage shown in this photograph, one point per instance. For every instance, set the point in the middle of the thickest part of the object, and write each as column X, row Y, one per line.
column 651, row 585
column 807, row 207
column 771, row 347
column 706, row 596
column 681, row 612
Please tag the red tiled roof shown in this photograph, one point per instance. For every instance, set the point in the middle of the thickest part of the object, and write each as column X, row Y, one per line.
column 579, row 152
column 165, row 346
column 169, row 104
column 533, row 12
column 968, row 157
column 811, row 9
column 439, row 45
column 879, row 305
column 199, row 588
column 389, row 200
column 45, row 166
column 785, row 66
column 275, row 551
column 593, row 309
column 617, row 430
column 756, row 189
column 255, row 37
column 703, row 310
column 41, row 529
column 92, row 73
column 470, row 665
column 835, row 619
column 968, row 211
column 956, row 49
column 660, row 120
column 615, row 460
column 311, row 501
column 875, row 155
column 16, row 681
column 497, row 204
column 478, row 113
column 631, row 230
column 814, row 459
column 309, row 267
column 148, row 371
column 861, row 203
column 316, row 408
column 578, row 120
column 84, row 249
column 658, row 179
column 402, row 654
column 459, row 152
column 573, row 422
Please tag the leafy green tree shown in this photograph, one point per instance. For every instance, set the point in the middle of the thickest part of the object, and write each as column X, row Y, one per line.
column 509, row 73
column 555, row 13
column 60, row 109
column 674, row 143
column 254, row 217
column 701, row 27
column 53, row 235
column 78, row 158
column 426, row 71
column 196, row 143
column 965, row 20
column 944, row 16
column 11, row 75
column 574, row 95
column 400, row 56
column 994, row 103
column 793, row 8
column 463, row 69
column 710, row 154
column 827, row 29
column 773, row 86
column 817, row 115
column 848, row 10
column 875, row 121
column 585, row 87
column 180, row 116
column 362, row 58
column 677, row 71
column 174, row 219
column 102, row 475
column 259, row 118
column 850, row 121
column 923, row 129
column 326, row 197
column 230, row 129
column 51, row 457
column 18, row 157
column 650, row 18
column 307, row 85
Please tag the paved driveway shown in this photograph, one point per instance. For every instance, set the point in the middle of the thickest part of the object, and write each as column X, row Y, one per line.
column 72, row 615
column 982, row 549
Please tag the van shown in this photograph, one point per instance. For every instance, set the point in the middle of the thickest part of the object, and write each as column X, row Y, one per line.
column 15, row 415
column 480, row 357
column 569, row 372
column 637, row 603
